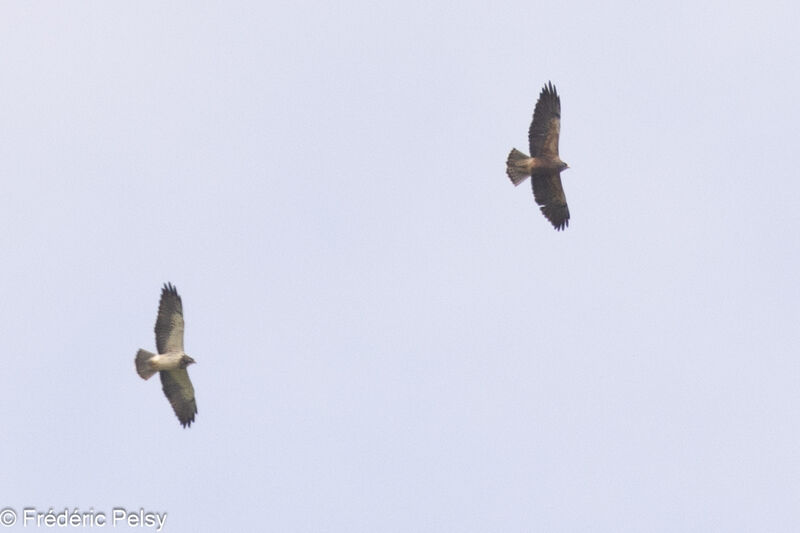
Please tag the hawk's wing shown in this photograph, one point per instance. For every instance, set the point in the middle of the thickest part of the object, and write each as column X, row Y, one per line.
column 169, row 324
column 546, row 125
column 180, row 393
column 550, row 196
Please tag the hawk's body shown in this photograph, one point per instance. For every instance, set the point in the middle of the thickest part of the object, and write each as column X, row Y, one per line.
column 170, row 361
column 544, row 165
column 164, row 361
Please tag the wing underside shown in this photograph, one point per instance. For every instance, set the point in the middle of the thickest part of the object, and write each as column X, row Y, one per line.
column 549, row 194
column 179, row 391
column 169, row 324
column 546, row 125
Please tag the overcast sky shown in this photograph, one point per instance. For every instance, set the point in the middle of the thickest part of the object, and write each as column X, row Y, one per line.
column 390, row 337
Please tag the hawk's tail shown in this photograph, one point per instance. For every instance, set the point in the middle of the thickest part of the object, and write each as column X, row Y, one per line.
column 143, row 367
column 516, row 166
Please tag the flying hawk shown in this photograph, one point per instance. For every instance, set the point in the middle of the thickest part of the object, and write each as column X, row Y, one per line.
column 171, row 361
column 543, row 166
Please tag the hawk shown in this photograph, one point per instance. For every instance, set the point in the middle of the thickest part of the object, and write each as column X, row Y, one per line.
column 170, row 361
column 543, row 166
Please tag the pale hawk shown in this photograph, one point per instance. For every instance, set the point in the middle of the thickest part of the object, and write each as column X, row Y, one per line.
column 170, row 361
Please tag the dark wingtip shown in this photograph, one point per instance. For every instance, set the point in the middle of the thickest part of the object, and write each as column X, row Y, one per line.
column 186, row 422
column 169, row 288
column 187, row 419
column 557, row 221
column 549, row 89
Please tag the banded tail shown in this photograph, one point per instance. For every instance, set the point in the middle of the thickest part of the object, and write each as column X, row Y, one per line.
column 518, row 166
column 143, row 367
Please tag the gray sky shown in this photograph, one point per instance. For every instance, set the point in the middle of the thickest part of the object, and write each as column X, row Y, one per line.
column 390, row 337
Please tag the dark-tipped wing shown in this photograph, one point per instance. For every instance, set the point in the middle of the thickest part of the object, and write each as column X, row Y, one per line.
column 550, row 196
column 180, row 393
column 169, row 324
column 546, row 125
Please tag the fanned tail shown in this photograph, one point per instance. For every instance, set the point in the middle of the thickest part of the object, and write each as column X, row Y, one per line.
column 517, row 166
column 143, row 367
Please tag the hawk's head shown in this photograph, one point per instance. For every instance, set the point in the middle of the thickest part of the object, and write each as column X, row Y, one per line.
column 563, row 166
column 186, row 361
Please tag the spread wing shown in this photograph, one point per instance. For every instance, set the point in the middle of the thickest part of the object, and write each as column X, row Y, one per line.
column 169, row 324
column 549, row 194
column 546, row 125
column 180, row 393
